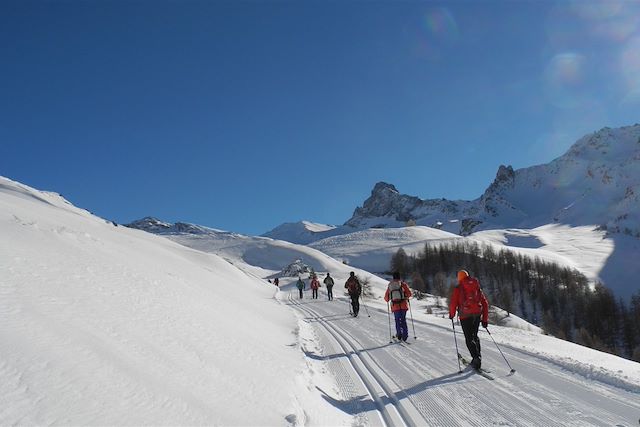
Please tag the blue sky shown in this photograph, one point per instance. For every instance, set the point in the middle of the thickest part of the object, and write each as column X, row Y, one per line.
column 244, row 115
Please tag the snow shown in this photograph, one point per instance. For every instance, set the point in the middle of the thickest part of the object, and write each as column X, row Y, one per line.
column 372, row 249
column 317, row 228
column 105, row 325
column 593, row 252
column 108, row 325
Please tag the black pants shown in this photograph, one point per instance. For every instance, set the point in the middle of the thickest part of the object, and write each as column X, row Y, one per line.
column 355, row 304
column 470, row 327
column 314, row 293
column 330, row 292
column 300, row 292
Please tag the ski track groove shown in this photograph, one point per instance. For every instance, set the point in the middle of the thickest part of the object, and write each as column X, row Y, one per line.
column 346, row 386
column 432, row 413
column 352, row 352
column 535, row 396
column 492, row 409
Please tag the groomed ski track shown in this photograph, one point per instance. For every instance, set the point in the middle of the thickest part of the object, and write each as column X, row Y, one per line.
column 392, row 384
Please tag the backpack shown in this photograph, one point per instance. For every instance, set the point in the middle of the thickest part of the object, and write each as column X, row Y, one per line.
column 353, row 286
column 470, row 289
column 396, row 293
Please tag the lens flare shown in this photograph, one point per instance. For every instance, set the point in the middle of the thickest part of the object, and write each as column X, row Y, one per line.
column 564, row 78
column 630, row 68
column 574, row 22
column 597, row 10
column 566, row 69
column 611, row 20
column 441, row 24
column 436, row 29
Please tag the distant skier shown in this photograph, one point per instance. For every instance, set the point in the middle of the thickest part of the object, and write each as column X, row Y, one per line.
column 315, row 284
column 473, row 309
column 300, row 285
column 398, row 293
column 328, row 281
column 353, row 287
column 276, row 282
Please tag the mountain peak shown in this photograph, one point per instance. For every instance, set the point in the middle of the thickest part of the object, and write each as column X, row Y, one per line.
column 607, row 143
column 383, row 188
column 386, row 207
column 154, row 225
column 151, row 224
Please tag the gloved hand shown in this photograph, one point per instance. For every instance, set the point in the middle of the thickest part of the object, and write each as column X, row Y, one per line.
column 451, row 317
column 485, row 324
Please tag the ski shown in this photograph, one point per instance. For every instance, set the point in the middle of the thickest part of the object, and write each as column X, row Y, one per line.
column 482, row 372
column 465, row 362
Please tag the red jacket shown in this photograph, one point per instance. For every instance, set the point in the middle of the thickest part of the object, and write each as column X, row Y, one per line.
column 314, row 283
column 403, row 305
column 469, row 300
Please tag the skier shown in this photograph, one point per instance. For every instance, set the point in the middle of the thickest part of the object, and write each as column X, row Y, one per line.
column 353, row 287
column 300, row 285
column 398, row 293
column 328, row 281
column 473, row 309
column 276, row 282
column 315, row 284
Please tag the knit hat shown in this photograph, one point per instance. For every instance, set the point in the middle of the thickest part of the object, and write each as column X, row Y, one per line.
column 462, row 274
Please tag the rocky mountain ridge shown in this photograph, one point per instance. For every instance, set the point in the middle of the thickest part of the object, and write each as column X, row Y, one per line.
column 596, row 182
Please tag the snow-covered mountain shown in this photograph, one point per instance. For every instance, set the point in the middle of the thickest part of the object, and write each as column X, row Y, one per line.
column 596, row 182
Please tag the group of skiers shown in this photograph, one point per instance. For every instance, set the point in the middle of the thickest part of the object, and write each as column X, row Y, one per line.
column 467, row 300
column 315, row 285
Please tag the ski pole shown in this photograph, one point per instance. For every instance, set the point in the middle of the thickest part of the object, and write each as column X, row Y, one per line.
column 505, row 359
column 412, row 323
column 456, row 341
column 365, row 307
column 389, row 316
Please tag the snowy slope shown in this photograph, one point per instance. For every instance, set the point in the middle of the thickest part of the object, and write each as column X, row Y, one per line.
column 599, row 256
column 372, row 249
column 105, row 325
column 259, row 256
column 304, row 232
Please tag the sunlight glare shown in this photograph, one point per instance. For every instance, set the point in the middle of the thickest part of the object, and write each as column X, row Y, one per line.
column 564, row 79
column 630, row 68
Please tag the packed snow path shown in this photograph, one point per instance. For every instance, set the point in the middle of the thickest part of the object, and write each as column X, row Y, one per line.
column 391, row 384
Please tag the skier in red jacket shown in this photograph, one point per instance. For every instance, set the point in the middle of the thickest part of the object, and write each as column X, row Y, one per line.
column 473, row 309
